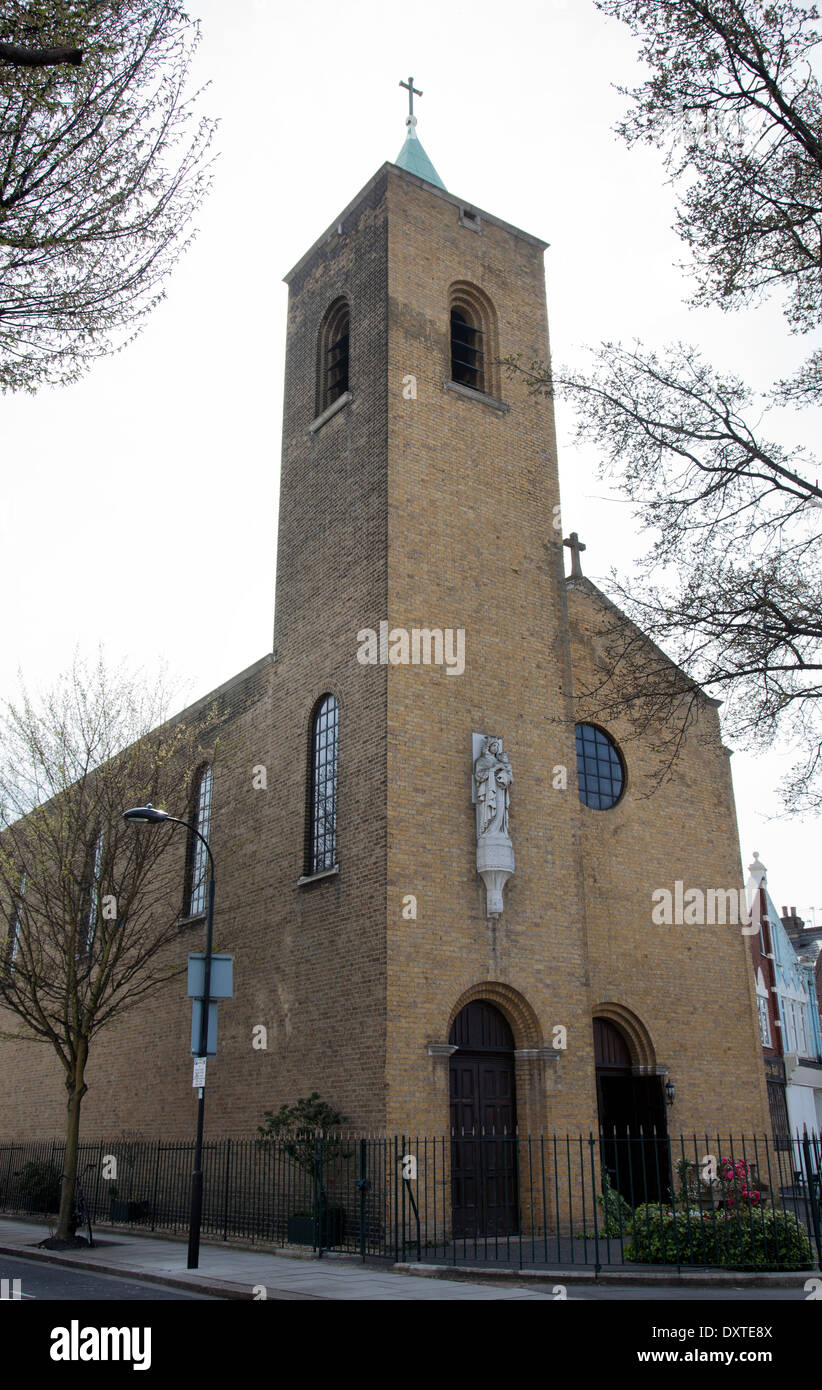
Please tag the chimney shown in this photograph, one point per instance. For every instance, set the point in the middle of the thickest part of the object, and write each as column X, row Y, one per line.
column 793, row 925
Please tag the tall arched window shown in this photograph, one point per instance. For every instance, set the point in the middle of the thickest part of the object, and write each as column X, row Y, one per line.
column 13, row 940
column 197, row 861
column 322, row 792
column 473, row 339
column 92, row 895
column 333, row 355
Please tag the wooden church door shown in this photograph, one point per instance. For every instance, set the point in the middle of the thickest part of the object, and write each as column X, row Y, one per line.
column 483, row 1123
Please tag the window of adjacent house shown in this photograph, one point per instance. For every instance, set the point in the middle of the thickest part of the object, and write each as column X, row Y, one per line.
column 197, row 856
column 794, row 1020
column 600, row 768
column 762, row 1006
column 801, row 1030
column 467, row 367
column 334, row 355
column 764, row 1022
column 322, row 801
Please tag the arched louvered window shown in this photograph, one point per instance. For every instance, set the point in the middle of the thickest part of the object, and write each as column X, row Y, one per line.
column 473, row 339
column 466, row 351
column 333, row 355
column 322, row 792
column 197, row 860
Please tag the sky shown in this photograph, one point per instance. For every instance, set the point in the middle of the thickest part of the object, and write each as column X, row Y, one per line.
column 139, row 506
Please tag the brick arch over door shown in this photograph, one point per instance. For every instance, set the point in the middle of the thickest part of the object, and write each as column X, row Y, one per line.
column 513, row 1006
column 643, row 1053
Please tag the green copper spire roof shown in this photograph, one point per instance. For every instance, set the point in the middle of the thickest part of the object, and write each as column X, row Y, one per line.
column 412, row 156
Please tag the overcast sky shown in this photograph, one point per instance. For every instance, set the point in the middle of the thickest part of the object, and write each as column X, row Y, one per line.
column 164, row 461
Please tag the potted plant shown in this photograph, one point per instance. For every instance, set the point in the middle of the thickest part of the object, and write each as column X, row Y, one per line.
column 126, row 1208
column 296, row 1129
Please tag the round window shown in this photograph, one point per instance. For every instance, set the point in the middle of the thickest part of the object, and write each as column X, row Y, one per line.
column 600, row 769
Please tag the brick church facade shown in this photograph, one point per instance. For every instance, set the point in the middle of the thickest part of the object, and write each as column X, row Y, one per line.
column 419, row 491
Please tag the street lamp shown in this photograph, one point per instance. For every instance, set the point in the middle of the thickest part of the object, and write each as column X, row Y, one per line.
column 149, row 815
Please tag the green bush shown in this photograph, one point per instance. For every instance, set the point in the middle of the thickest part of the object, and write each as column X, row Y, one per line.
column 766, row 1240
column 753, row 1239
column 616, row 1213
column 40, row 1185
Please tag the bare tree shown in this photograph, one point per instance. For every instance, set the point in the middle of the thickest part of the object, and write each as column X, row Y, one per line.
column 103, row 166
column 734, row 104
column 730, row 587
column 91, row 920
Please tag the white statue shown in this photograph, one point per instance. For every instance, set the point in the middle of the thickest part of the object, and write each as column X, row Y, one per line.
column 493, row 775
column 495, row 851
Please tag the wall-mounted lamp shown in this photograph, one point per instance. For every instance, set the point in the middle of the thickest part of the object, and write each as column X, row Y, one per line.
column 670, row 1091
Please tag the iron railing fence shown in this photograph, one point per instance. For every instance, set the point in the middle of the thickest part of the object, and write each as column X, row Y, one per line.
column 505, row 1200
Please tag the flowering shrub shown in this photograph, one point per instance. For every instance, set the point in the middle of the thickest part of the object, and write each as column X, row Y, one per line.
column 736, row 1185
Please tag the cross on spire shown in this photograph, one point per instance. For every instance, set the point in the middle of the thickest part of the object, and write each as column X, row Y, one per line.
column 575, row 545
column 412, row 92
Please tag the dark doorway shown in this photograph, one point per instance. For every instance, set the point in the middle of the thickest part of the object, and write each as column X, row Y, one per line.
column 632, row 1120
column 483, row 1123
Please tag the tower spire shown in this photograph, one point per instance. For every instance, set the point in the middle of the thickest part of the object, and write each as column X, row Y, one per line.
column 412, row 156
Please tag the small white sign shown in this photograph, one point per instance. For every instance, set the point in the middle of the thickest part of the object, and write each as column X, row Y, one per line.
column 199, row 1071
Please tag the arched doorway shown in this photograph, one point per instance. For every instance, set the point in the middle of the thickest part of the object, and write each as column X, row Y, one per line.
column 483, row 1123
column 632, row 1119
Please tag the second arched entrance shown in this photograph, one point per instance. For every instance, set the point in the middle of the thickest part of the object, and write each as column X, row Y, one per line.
column 632, row 1119
column 483, row 1122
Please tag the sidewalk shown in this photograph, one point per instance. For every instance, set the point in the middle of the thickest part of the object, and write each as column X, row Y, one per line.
column 231, row 1273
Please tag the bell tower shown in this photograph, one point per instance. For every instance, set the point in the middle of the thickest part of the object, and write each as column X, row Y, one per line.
column 420, row 571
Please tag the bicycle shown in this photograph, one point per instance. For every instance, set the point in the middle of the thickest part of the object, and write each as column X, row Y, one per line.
column 82, row 1214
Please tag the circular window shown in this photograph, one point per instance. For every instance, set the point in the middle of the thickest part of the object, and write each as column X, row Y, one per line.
column 600, row 769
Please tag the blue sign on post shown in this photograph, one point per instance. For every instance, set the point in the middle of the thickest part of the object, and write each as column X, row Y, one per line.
column 221, row 987
column 222, row 977
column 196, row 1025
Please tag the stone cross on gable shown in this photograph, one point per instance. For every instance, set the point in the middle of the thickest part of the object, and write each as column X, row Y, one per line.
column 412, row 92
column 575, row 545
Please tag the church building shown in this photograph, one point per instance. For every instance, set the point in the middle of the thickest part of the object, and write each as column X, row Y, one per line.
column 436, row 877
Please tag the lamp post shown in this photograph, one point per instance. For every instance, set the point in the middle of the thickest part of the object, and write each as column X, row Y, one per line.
column 149, row 815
